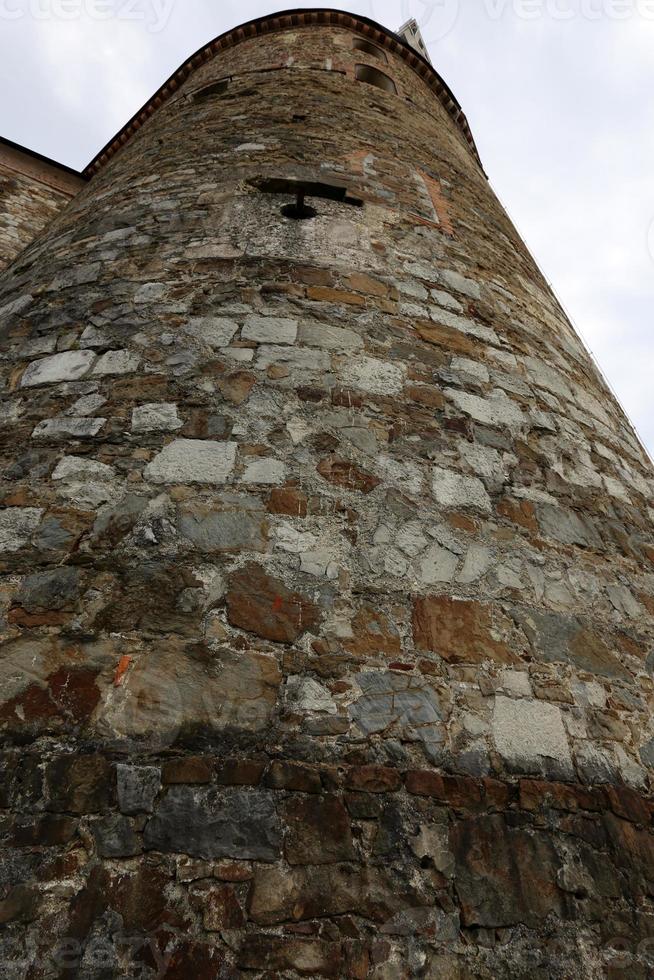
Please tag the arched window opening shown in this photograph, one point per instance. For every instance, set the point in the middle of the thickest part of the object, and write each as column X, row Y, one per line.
column 372, row 76
column 360, row 44
column 211, row 91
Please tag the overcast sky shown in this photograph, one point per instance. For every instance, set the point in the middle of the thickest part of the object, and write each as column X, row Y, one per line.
column 559, row 94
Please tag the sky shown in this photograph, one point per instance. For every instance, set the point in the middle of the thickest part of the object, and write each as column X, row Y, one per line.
column 558, row 94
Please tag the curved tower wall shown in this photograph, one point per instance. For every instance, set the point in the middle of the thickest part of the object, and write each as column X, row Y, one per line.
column 327, row 596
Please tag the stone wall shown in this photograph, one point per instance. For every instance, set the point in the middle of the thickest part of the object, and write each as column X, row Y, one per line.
column 32, row 192
column 327, row 596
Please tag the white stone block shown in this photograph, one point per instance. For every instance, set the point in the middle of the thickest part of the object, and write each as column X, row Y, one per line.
column 298, row 360
column 156, row 417
column 477, row 562
column 437, row 565
column 193, row 461
column 213, row 331
column 530, row 736
column 270, row 330
column 496, row 410
column 69, row 366
column 267, row 471
column 452, row 489
column 17, row 524
column 474, row 369
column 373, row 375
column 75, row 428
column 327, row 336
column 77, row 467
column 457, row 282
column 117, row 362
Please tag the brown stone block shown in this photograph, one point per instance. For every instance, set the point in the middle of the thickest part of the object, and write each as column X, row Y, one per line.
column 362, row 283
column 346, row 398
column 219, row 906
column 318, row 831
column 295, row 776
column 80, row 783
column 458, row 791
column 451, row 340
column 373, row 779
column 201, row 961
column 498, row 795
column 459, row 631
column 288, row 500
column 240, row 772
column 261, row 604
column 277, row 955
column 423, row 395
column 323, row 294
column 345, row 473
column 236, row 387
column 629, row 804
column 188, row 769
column 504, row 876
column 374, row 634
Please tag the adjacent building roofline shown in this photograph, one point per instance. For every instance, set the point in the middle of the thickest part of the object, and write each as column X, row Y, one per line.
column 283, row 21
column 39, row 167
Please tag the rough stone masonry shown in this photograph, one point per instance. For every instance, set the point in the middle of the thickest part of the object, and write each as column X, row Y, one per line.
column 327, row 558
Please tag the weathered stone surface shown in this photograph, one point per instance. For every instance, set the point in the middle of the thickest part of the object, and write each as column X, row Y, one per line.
column 270, row 330
column 305, row 957
column 261, row 604
column 318, row 831
column 372, row 375
column 213, row 331
column 116, row 362
column 394, row 703
column 161, row 417
column 530, row 737
column 504, row 876
column 115, row 837
column 330, row 890
column 223, row 531
column 68, row 366
column 57, row 589
column 328, row 336
column 345, row 473
column 265, row 471
column 80, row 784
column 74, row 428
column 193, row 461
column 564, row 638
column 459, row 631
column 450, row 489
column 17, row 524
column 210, row 824
column 137, row 788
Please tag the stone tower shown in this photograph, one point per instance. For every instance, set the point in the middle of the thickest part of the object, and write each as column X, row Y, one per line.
column 327, row 589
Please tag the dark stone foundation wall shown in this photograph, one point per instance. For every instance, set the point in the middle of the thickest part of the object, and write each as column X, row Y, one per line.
column 210, row 866
column 327, row 595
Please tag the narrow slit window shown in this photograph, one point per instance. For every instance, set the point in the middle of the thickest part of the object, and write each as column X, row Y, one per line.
column 372, row 76
column 211, row 91
column 360, row 44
